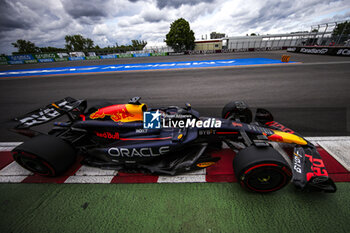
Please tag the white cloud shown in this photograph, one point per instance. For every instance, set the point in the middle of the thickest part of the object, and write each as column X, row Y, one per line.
column 108, row 22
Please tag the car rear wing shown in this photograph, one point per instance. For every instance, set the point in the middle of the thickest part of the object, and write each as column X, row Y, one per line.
column 67, row 106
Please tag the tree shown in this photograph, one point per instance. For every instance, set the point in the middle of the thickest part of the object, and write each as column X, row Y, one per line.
column 180, row 36
column 25, row 46
column 252, row 34
column 342, row 28
column 138, row 44
column 78, row 43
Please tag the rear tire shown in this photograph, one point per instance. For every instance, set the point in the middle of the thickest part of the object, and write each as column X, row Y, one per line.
column 45, row 155
column 261, row 169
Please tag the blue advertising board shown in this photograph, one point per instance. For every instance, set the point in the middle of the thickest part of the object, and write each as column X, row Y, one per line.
column 109, row 56
column 44, row 60
column 21, row 57
column 142, row 54
column 76, row 58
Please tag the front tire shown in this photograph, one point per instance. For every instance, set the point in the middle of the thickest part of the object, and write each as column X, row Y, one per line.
column 45, row 155
column 261, row 169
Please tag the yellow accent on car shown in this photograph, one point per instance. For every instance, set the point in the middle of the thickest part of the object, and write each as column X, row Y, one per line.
column 136, row 111
column 205, row 164
column 180, row 136
column 290, row 138
column 53, row 104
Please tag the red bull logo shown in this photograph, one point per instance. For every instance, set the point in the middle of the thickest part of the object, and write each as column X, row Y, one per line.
column 107, row 135
column 115, row 112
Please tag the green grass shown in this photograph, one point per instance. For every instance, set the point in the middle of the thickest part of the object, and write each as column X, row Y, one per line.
column 205, row 207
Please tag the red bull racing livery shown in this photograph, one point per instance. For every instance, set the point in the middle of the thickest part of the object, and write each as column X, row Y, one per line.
column 169, row 141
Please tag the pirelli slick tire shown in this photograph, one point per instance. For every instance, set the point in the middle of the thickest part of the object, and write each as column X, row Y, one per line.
column 45, row 155
column 237, row 109
column 261, row 169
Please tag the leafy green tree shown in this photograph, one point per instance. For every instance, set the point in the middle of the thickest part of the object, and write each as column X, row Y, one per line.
column 78, row 43
column 180, row 36
column 25, row 46
column 138, row 44
column 252, row 34
column 342, row 28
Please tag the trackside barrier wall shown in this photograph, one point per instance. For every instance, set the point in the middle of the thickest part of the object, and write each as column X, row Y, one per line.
column 61, row 59
column 76, row 58
column 334, row 51
column 125, row 55
column 158, row 54
column 45, row 60
column 141, row 54
column 109, row 56
column 92, row 57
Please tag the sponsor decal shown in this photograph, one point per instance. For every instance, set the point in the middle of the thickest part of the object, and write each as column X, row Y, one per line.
column 142, row 54
column 92, row 57
column 61, row 59
column 31, row 61
column 345, row 52
column 317, row 167
column 175, row 54
column 314, row 50
column 20, row 57
column 107, row 135
column 76, row 58
column 279, row 126
column 45, row 55
column 44, row 115
column 124, row 55
column 206, row 132
column 15, row 62
column 45, row 60
column 116, row 112
column 297, row 162
column 109, row 56
column 141, row 131
column 3, row 63
column 158, row 54
column 3, row 59
column 291, row 49
column 138, row 152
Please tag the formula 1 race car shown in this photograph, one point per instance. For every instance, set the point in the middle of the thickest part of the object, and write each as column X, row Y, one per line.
column 168, row 141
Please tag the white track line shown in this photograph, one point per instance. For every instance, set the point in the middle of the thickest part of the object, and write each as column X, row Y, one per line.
column 190, row 177
column 87, row 174
column 340, row 150
column 14, row 169
column 89, row 179
column 13, row 173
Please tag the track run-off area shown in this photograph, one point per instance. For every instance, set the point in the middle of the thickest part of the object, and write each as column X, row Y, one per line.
column 310, row 96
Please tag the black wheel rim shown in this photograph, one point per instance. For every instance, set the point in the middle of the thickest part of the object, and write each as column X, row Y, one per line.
column 266, row 179
column 33, row 163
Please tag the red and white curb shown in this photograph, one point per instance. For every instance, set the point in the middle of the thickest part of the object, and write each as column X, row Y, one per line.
column 333, row 150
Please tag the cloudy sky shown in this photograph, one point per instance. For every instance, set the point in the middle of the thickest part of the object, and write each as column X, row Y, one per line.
column 106, row 22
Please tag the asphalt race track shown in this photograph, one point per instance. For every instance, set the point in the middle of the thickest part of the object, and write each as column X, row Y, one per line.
column 311, row 97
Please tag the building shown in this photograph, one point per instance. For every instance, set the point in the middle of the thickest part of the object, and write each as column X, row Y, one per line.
column 215, row 35
column 215, row 44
